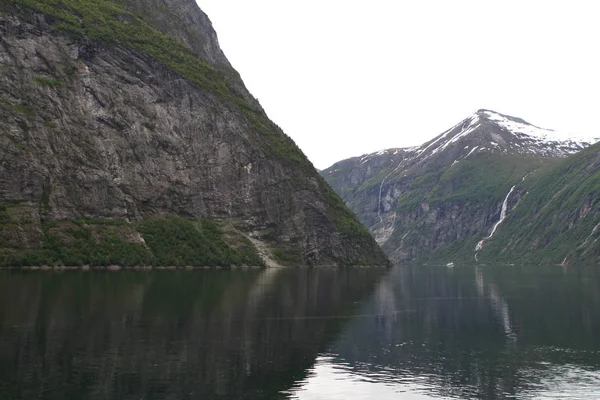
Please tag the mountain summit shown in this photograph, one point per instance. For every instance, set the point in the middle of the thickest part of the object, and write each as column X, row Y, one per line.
column 490, row 131
column 452, row 194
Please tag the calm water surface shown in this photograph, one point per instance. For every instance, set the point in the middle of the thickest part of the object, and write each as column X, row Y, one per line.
column 408, row 333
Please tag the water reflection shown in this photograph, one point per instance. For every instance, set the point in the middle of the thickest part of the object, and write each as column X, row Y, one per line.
column 243, row 334
column 465, row 333
column 498, row 303
column 410, row 333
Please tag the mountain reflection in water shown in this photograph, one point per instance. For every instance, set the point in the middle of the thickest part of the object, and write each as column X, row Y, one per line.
column 239, row 334
column 469, row 333
column 412, row 333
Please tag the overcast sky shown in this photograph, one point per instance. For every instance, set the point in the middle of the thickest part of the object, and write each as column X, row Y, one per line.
column 344, row 77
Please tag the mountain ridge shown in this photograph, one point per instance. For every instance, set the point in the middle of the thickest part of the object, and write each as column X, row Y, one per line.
column 423, row 200
column 570, row 143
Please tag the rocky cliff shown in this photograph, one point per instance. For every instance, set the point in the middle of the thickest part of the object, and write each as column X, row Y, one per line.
column 452, row 198
column 118, row 125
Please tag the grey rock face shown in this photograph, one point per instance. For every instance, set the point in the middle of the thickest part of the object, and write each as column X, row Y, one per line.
column 98, row 131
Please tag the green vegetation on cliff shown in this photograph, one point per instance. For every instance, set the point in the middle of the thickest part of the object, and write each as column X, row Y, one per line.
column 177, row 241
column 558, row 218
column 483, row 178
column 553, row 215
column 154, row 242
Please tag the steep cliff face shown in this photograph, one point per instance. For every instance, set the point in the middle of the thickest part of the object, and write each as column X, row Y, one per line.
column 558, row 220
column 104, row 117
column 448, row 198
column 183, row 21
column 187, row 24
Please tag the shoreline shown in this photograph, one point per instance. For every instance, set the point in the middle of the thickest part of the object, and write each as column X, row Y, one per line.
column 164, row 268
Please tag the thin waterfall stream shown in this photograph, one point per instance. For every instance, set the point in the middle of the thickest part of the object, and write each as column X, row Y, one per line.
column 503, row 213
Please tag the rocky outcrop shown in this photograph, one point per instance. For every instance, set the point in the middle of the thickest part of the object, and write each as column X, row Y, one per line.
column 120, row 122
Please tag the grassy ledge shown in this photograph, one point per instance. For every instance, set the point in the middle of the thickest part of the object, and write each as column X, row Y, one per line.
column 153, row 242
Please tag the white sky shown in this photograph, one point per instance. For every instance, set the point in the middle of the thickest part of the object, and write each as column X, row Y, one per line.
column 346, row 77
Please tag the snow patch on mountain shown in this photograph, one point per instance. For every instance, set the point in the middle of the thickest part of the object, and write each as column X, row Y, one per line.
column 389, row 152
column 492, row 132
column 547, row 135
column 509, row 135
column 473, row 125
column 472, row 150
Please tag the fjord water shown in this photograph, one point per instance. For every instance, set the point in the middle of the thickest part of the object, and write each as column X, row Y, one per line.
column 419, row 332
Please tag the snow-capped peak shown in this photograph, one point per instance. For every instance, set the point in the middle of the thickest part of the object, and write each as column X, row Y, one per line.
column 519, row 126
column 489, row 131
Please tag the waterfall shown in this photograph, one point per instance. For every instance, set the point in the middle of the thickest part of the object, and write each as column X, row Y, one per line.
column 594, row 230
column 502, row 218
column 381, row 189
column 502, row 213
column 379, row 200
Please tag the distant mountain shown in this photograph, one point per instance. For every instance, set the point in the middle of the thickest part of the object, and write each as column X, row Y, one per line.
column 453, row 197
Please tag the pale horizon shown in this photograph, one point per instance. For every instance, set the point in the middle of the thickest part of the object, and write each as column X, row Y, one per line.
column 346, row 78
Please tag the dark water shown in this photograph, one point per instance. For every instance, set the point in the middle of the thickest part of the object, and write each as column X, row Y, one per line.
column 407, row 333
